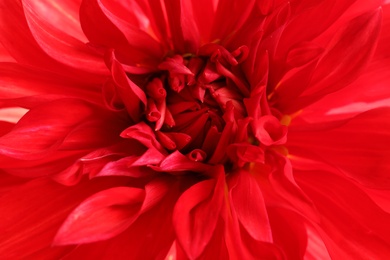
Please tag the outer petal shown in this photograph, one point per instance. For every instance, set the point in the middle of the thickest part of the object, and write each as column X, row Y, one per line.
column 8, row 182
column 369, row 91
column 108, row 213
column 184, row 30
column 4, row 55
column 49, row 164
column 327, row 77
column 352, row 225
column 153, row 231
column 315, row 16
column 19, row 40
column 204, row 17
column 27, row 87
column 248, row 203
column 46, row 127
column 289, row 232
column 131, row 43
column 279, row 188
column 358, row 147
column 196, row 214
column 55, row 40
column 47, row 204
column 102, row 216
column 229, row 17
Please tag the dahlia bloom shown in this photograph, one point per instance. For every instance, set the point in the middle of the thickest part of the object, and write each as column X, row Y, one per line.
column 194, row 129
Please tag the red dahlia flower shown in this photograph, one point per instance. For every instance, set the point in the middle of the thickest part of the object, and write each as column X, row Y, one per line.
column 194, row 129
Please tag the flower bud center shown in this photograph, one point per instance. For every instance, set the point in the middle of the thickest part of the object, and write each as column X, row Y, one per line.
column 202, row 106
column 188, row 98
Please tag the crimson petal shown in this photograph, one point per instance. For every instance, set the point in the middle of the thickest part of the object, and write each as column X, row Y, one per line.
column 248, row 202
column 44, row 128
column 102, row 216
column 362, row 155
column 196, row 214
column 352, row 225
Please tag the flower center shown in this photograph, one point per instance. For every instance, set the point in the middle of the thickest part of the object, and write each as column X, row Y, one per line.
column 188, row 100
column 202, row 107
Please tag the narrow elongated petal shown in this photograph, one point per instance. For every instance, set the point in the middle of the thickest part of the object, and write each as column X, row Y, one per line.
column 321, row 13
column 367, row 223
column 253, row 216
column 56, row 43
column 156, row 229
column 365, row 155
column 184, row 30
column 135, row 97
column 27, row 87
column 102, row 216
column 34, row 135
column 353, row 60
column 194, row 129
column 48, row 204
column 196, row 214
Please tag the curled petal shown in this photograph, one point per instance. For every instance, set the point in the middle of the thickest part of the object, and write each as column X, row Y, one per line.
column 269, row 131
column 242, row 153
column 178, row 163
column 132, row 95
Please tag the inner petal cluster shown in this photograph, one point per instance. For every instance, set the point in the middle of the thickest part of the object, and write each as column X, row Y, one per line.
column 202, row 107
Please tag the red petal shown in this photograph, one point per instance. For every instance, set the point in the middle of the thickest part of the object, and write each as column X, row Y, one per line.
column 265, row 6
column 93, row 163
column 54, row 38
column 204, row 17
column 269, row 131
column 359, row 147
column 351, row 224
column 248, row 203
column 226, row 21
column 52, row 163
column 19, row 41
column 109, row 35
column 132, row 95
column 153, row 231
column 4, row 55
column 175, row 65
column 143, row 134
column 242, row 153
column 123, row 167
column 316, row 17
column 196, row 214
column 27, row 87
column 177, row 163
column 47, row 204
column 369, row 91
column 184, row 30
column 137, row 39
column 8, row 182
column 227, row 136
column 44, row 128
column 280, row 188
column 101, row 216
column 289, row 231
column 364, row 30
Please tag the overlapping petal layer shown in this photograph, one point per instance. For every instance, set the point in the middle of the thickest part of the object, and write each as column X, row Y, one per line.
column 194, row 129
